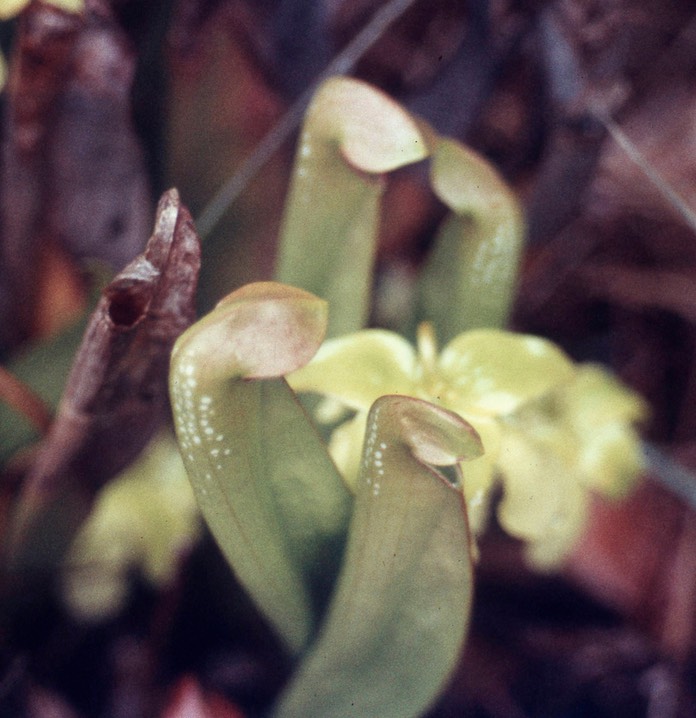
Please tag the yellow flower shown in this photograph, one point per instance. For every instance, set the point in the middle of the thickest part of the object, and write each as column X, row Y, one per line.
column 550, row 431
column 143, row 520
column 579, row 439
column 481, row 375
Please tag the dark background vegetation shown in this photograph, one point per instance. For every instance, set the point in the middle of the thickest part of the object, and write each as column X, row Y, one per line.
column 586, row 107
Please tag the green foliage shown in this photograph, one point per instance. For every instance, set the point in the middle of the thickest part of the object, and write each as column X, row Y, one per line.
column 351, row 136
column 467, row 378
column 552, row 432
column 469, row 279
column 332, row 214
column 559, row 450
column 500, row 408
column 44, row 368
column 279, row 510
column 264, row 482
column 399, row 615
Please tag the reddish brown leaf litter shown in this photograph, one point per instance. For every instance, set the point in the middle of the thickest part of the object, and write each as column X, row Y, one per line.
column 41, row 59
column 73, row 175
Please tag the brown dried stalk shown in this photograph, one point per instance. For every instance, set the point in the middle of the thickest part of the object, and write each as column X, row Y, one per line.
column 116, row 394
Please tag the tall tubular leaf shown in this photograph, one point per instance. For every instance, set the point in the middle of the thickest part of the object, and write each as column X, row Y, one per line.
column 469, row 279
column 401, row 609
column 351, row 135
column 263, row 479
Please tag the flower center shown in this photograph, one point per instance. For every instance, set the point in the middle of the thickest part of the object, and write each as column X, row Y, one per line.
column 426, row 343
column 432, row 384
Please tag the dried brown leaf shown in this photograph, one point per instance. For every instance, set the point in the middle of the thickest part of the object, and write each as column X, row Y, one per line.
column 39, row 66
column 116, row 395
column 73, row 173
column 671, row 290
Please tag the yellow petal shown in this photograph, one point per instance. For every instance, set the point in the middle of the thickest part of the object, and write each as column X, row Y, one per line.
column 611, row 459
column 549, row 551
column 539, row 495
column 496, row 371
column 10, row 8
column 172, row 515
column 68, row 5
column 3, row 72
column 600, row 412
column 596, row 397
column 97, row 591
column 478, row 474
column 359, row 368
column 477, row 485
column 142, row 520
column 345, row 448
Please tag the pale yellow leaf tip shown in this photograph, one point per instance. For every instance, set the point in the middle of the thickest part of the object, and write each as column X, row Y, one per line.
column 434, row 435
column 467, row 183
column 262, row 330
column 375, row 133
